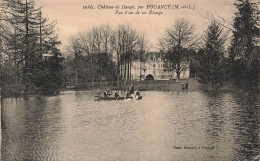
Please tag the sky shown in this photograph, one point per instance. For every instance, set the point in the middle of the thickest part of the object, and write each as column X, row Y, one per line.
column 72, row 18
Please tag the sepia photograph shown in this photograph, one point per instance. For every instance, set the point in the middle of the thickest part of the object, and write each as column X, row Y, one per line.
column 130, row 80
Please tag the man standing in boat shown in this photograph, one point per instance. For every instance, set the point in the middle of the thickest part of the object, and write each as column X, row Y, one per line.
column 186, row 85
column 131, row 90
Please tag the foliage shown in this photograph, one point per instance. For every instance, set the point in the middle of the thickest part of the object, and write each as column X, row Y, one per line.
column 211, row 56
column 30, row 36
column 244, row 50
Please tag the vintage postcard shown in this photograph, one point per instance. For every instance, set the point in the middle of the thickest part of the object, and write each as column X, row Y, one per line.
column 130, row 80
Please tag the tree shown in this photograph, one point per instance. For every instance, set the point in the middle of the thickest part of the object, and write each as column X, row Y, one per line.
column 103, row 49
column 18, row 39
column 47, row 62
column 75, row 49
column 142, row 48
column 93, row 53
column 107, row 53
column 244, row 50
column 124, row 42
column 211, row 56
column 86, row 44
column 29, row 36
column 176, row 43
column 4, row 27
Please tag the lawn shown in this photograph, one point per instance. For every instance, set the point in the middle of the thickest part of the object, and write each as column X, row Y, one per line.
column 151, row 85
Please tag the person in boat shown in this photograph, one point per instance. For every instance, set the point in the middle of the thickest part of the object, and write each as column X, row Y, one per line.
column 126, row 93
column 137, row 94
column 183, row 86
column 186, row 85
column 116, row 95
column 106, row 93
column 131, row 89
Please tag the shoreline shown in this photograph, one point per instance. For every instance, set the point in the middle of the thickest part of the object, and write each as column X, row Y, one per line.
column 155, row 85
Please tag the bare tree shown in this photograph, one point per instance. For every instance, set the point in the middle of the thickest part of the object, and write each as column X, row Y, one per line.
column 74, row 48
column 142, row 48
column 124, row 42
column 176, row 43
column 117, row 44
column 101, row 47
column 93, row 53
column 86, row 40
column 107, row 50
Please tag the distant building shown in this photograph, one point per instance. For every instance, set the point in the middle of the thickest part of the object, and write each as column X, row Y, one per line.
column 154, row 68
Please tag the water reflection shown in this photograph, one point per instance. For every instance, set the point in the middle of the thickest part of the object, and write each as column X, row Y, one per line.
column 245, row 124
column 73, row 126
column 28, row 133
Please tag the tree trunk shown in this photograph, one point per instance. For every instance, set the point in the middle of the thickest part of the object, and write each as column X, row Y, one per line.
column 128, row 70
column 178, row 72
column 100, row 65
column 118, row 70
column 121, row 69
column 106, row 78
column 140, row 70
column 27, row 50
column 125, row 70
column 41, row 34
column 91, row 71
column 76, row 78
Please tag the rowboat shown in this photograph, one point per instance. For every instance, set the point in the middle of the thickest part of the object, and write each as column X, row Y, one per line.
column 116, row 98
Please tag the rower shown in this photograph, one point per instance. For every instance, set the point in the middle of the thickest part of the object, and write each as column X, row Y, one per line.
column 126, row 93
column 183, row 86
column 116, row 95
column 106, row 93
column 186, row 85
column 131, row 89
column 137, row 93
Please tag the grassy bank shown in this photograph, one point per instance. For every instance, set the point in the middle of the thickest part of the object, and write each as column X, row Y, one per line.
column 152, row 85
column 165, row 85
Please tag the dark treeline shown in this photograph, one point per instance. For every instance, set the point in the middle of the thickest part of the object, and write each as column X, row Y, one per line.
column 218, row 58
column 103, row 54
column 30, row 58
column 29, row 50
column 240, row 62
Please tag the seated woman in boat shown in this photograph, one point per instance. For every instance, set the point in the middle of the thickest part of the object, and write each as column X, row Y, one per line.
column 126, row 93
column 183, row 86
column 116, row 95
column 137, row 94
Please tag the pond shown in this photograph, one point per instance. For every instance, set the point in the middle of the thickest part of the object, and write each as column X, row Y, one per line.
column 162, row 126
